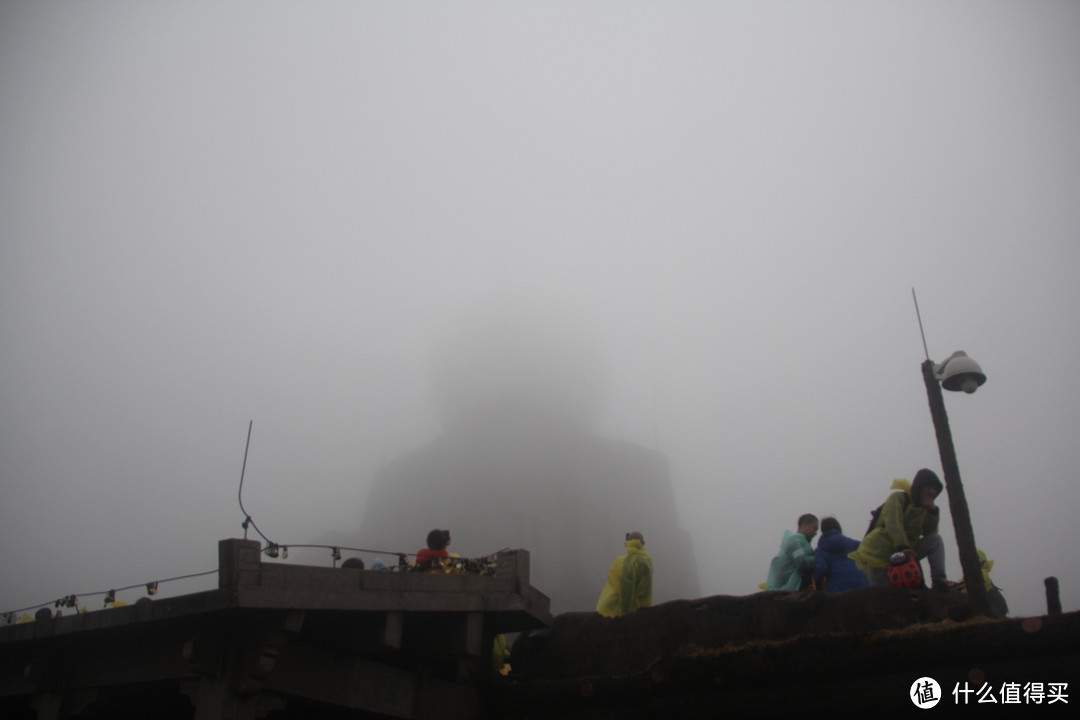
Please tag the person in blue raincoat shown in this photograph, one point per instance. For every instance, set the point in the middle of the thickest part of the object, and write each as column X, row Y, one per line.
column 629, row 583
column 834, row 571
column 793, row 567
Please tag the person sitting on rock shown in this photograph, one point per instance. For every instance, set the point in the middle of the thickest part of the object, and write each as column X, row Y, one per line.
column 629, row 583
column 793, row 566
column 834, row 571
column 907, row 522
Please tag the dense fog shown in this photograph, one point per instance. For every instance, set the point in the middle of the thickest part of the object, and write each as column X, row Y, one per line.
column 541, row 273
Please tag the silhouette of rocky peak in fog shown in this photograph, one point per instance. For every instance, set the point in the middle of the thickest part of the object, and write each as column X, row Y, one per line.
column 517, row 465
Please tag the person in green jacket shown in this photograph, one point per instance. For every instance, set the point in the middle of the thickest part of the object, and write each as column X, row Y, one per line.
column 629, row 582
column 907, row 523
column 793, row 567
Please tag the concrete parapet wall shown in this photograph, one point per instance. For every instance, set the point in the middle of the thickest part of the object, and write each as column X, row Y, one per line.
column 276, row 636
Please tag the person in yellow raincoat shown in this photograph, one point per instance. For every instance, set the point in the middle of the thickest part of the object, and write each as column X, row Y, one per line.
column 998, row 606
column 907, row 523
column 629, row 583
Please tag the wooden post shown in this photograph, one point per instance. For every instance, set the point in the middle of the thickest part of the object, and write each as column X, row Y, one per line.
column 1053, row 598
column 958, row 507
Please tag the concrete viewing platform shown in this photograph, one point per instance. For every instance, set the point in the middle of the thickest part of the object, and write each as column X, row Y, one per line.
column 277, row 640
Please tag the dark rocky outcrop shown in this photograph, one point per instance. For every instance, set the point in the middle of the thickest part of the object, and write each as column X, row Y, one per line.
column 778, row 655
column 584, row 644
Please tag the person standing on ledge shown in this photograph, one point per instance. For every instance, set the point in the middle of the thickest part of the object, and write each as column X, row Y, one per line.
column 629, row 583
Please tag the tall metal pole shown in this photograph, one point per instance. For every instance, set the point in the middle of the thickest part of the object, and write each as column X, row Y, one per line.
column 958, row 508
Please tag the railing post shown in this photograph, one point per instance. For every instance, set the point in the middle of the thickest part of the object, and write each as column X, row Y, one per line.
column 1053, row 598
column 239, row 563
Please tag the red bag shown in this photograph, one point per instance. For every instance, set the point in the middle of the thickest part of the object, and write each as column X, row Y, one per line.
column 907, row 574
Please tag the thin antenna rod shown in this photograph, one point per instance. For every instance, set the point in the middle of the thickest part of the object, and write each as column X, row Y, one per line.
column 921, row 331
column 655, row 406
column 243, row 469
column 655, row 419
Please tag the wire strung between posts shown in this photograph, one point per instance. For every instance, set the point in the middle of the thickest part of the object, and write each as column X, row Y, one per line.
column 147, row 585
column 284, row 547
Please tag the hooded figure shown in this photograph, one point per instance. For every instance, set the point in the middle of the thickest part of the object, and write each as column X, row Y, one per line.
column 834, row 570
column 629, row 583
column 907, row 522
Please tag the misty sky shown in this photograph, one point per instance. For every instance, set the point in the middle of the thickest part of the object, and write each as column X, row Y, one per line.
column 216, row 212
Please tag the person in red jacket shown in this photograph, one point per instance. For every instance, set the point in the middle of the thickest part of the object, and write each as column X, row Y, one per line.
column 430, row 558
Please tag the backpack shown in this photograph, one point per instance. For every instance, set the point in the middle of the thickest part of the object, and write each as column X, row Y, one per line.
column 876, row 513
column 907, row 574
